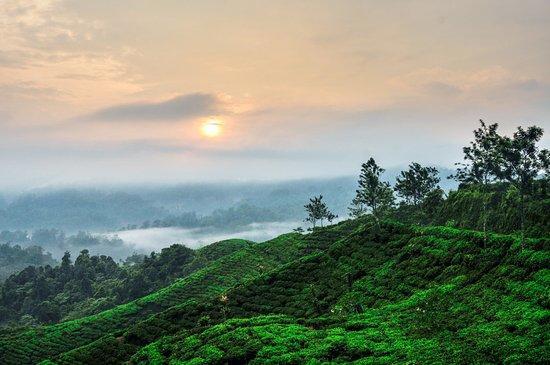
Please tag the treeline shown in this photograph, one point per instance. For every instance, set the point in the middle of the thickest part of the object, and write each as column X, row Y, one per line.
column 90, row 284
column 233, row 217
column 57, row 242
column 502, row 213
column 54, row 238
column 16, row 258
column 504, row 187
column 109, row 208
column 72, row 209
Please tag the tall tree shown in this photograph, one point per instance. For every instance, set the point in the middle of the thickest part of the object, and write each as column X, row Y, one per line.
column 66, row 261
column 522, row 162
column 416, row 183
column 317, row 210
column 373, row 194
column 545, row 161
column 483, row 161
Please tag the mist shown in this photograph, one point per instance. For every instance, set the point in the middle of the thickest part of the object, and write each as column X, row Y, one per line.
column 119, row 219
column 154, row 239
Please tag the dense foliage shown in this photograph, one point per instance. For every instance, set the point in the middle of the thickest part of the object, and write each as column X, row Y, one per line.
column 202, row 285
column 94, row 283
column 504, row 187
column 57, row 242
column 416, row 183
column 15, row 258
column 318, row 211
column 228, row 218
column 373, row 194
column 356, row 291
column 463, row 208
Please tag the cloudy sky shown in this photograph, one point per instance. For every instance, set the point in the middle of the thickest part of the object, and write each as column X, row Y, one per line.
column 120, row 91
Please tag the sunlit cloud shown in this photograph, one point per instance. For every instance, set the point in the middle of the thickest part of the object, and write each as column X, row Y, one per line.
column 474, row 86
column 177, row 108
column 331, row 82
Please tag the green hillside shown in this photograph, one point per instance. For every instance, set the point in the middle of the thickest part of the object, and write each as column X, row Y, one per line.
column 97, row 283
column 201, row 286
column 349, row 292
column 393, row 295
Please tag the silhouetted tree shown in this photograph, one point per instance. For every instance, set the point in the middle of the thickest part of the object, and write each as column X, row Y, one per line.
column 317, row 210
column 432, row 203
column 545, row 161
column 373, row 194
column 522, row 162
column 416, row 183
column 66, row 261
column 483, row 163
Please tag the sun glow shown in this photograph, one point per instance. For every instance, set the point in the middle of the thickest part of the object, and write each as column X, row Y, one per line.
column 211, row 128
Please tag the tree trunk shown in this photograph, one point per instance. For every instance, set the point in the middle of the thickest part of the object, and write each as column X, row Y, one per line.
column 420, row 208
column 522, row 217
column 376, row 220
column 484, row 197
column 374, row 214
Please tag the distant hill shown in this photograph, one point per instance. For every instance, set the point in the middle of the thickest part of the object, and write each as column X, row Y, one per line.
column 352, row 292
column 108, row 208
column 73, row 209
column 14, row 258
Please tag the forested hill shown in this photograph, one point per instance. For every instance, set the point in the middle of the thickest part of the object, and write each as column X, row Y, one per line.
column 107, row 208
column 352, row 292
column 16, row 258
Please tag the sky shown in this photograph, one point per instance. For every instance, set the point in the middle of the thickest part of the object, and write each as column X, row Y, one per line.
column 172, row 91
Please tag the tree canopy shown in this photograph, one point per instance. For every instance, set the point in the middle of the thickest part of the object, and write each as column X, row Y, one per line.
column 414, row 184
column 318, row 211
column 373, row 194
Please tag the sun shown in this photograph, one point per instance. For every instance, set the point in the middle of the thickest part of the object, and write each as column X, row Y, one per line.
column 211, row 128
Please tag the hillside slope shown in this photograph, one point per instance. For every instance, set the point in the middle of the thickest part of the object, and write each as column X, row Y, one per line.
column 31, row 346
column 350, row 292
column 396, row 295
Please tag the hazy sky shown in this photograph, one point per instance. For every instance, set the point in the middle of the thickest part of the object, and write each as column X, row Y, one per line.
column 117, row 91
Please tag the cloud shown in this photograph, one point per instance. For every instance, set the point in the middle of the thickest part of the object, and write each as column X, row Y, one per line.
column 13, row 59
column 441, row 88
column 527, row 85
column 260, row 154
column 46, row 45
column 149, row 147
column 28, row 90
column 78, row 76
column 140, row 146
column 97, row 149
column 180, row 107
column 4, row 116
column 40, row 23
column 174, row 147
column 494, row 87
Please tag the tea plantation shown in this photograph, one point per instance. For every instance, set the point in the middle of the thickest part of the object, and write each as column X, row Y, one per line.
column 353, row 292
